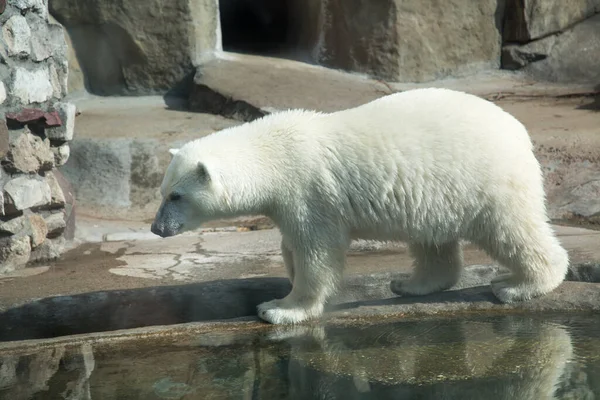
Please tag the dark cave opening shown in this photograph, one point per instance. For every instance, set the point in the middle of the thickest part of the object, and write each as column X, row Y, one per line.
column 256, row 26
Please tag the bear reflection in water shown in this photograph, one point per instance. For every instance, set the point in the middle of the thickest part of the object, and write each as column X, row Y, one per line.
column 478, row 358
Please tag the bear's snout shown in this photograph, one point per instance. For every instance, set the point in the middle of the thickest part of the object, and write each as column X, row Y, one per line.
column 163, row 230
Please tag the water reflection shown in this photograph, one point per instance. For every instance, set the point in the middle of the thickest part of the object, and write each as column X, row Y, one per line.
column 509, row 357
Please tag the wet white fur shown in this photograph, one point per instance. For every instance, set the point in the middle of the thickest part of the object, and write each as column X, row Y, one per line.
column 426, row 166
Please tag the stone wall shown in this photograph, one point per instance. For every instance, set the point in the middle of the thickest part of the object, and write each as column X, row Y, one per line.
column 35, row 128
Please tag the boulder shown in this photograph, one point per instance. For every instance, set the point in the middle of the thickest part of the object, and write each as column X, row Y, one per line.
column 410, row 40
column 138, row 47
column 527, row 20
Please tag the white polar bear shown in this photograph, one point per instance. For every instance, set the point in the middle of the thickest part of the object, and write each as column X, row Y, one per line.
column 426, row 166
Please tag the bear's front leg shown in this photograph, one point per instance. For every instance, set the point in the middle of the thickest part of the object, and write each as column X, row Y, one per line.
column 288, row 260
column 317, row 272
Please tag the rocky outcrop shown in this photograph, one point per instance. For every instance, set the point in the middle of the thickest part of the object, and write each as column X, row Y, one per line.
column 36, row 126
column 138, row 47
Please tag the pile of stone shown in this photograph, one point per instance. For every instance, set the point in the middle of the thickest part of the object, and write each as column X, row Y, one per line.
column 35, row 128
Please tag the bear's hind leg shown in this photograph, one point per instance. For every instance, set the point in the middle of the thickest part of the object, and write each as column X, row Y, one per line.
column 527, row 246
column 317, row 272
column 437, row 268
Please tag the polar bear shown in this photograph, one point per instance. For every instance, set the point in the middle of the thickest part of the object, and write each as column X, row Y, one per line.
column 429, row 167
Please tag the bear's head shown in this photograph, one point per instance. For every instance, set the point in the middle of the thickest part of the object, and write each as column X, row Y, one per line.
column 189, row 195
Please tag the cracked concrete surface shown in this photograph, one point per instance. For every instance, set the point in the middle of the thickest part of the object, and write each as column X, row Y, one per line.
column 255, row 254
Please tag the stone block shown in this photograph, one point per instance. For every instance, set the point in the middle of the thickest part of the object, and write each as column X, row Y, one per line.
column 40, row 7
column 70, row 206
column 3, row 179
column 59, row 70
column 67, row 112
column 410, row 40
column 145, row 46
column 47, row 40
column 37, row 230
column 61, row 154
column 49, row 250
column 2, row 92
column 56, row 223
column 72, row 69
column 25, row 191
column 14, row 253
column 34, row 116
column 17, row 35
column 28, row 153
column 32, row 86
column 527, row 20
column 31, row 225
column 4, row 139
column 14, row 226
column 57, row 198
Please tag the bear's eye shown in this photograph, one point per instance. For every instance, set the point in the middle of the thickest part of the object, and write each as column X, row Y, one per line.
column 175, row 197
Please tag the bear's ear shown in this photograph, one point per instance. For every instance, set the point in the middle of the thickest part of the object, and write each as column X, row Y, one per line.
column 202, row 172
column 173, row 151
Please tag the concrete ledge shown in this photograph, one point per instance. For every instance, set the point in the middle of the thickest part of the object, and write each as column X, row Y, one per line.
column 363, row 297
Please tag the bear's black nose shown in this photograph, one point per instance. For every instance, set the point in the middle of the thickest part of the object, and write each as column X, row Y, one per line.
column 157, row 230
